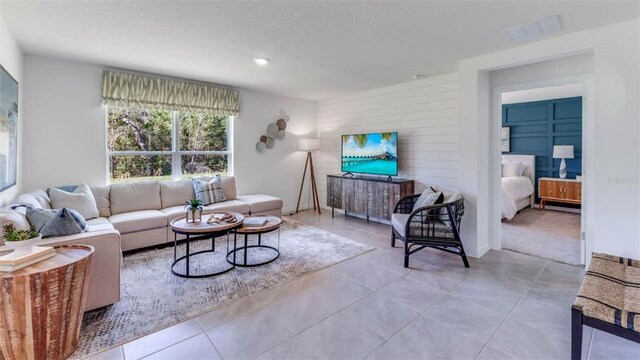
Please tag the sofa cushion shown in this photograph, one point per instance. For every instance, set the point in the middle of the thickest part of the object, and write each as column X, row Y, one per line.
column 209, row 192
column 135, row 196
column 261, row 203
column 173, row 193
column 99, row 224
column 57, row 222
column 229, row 187
column 231, row 205
column 101, row 194
column 138, row 221
column 80, row 200
column 174, row 212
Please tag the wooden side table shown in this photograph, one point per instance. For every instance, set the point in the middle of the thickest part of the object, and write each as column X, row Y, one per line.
column 567, row 191
column 41, row 305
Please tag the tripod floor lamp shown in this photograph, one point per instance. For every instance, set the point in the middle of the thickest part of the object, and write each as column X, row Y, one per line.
column 309, row 145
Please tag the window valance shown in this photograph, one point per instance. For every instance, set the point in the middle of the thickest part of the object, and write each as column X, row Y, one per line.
column 144, row 91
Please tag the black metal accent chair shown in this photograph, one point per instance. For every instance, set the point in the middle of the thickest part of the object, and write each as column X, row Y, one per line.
column 434, row 226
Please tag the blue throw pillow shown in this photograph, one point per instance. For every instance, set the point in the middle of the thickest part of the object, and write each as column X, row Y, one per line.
column 56, row 222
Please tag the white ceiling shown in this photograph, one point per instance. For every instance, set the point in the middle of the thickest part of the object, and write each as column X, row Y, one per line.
column 317, row 49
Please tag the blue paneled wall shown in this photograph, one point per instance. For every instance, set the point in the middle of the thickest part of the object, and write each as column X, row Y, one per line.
column 539, row 125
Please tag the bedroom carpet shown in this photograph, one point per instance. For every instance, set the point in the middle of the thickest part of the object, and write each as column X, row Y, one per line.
column 153, row 298
column 553, row 235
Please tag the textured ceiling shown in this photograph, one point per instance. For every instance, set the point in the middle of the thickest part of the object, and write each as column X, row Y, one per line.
column 318, row 49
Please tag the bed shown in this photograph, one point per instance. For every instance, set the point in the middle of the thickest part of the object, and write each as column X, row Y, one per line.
column 518, row 191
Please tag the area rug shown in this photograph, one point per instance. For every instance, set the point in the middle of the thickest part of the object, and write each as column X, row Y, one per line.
column 153, row 298
column 549, row 234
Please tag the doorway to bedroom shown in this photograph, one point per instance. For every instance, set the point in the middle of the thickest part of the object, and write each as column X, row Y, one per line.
column 541, row 189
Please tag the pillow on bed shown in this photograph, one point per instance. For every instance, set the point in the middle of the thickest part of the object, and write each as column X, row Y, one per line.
column 515, row 168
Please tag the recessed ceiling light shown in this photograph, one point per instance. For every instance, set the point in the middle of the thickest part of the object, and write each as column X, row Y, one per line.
column 261, row 61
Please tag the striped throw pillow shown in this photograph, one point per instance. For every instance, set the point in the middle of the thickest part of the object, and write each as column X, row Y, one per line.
column 209, row 192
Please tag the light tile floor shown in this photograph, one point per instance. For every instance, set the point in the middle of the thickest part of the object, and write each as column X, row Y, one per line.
column 506, row 306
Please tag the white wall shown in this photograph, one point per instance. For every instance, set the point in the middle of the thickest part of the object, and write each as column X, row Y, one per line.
column 424, row 112
column 66, row 132
column 11, row 59
column 614, row 210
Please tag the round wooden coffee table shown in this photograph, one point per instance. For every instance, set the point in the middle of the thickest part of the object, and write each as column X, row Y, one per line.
column 272, row 224
column 200, row 230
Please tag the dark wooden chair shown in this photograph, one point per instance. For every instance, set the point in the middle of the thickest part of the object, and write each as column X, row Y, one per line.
column 435, row 226
column 609, row 300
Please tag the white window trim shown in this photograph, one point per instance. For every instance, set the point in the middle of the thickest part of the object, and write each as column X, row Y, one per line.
column 175, row 153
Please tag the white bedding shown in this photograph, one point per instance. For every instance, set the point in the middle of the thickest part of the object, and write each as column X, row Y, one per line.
column 514, row 188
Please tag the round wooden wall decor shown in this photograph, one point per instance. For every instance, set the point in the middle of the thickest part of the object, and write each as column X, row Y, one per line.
column 282, row 125
column 270, row 143
column 275, row 130
column 272, row 131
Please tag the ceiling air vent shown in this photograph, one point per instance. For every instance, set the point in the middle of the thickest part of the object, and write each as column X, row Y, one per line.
column 546, row 27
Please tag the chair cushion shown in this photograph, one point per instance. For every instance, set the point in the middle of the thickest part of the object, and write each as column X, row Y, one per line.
column 231, row 205
column 609, row 293
column 261, row 203
column 174, row 193
column 209, row 192
column 81, row 200
column 135, row 196
column 99, row 224
column 138, row 221
column 174, row 212
column 399, row 223
column 101, row 194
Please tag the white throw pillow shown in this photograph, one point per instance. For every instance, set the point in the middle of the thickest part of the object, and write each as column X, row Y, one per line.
column 18, row 219
column 80, row 200
column 428, row 197
column 510, row 169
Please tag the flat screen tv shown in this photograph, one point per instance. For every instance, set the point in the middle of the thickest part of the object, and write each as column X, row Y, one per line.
column 373, row 153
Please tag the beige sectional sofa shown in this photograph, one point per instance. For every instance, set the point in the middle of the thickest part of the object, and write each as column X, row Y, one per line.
column 136, row 215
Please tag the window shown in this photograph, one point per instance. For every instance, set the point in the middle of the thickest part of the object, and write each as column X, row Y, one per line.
column 165, row 145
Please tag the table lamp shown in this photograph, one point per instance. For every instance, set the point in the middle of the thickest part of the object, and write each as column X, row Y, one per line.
column 563, row 152
column 309, row 145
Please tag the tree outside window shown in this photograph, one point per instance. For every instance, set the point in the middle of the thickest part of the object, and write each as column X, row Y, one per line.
column 164, row 145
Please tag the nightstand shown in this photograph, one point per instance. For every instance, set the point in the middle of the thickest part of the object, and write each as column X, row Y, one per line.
column 567, row 191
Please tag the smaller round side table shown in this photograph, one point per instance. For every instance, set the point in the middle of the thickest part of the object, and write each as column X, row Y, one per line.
column 272, row 224
column 41, row 305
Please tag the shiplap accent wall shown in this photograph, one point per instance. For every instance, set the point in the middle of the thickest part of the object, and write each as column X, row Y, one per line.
column 424, row 113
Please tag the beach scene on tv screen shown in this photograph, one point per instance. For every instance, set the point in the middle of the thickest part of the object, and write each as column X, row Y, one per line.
column 375, row 153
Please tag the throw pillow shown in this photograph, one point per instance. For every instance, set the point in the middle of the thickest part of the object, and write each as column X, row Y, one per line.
column 81, row 200
column 510, row 169
column 14, row 217
column 209, row 192
column 56, row 222
column 428, row 197
column 27, row 200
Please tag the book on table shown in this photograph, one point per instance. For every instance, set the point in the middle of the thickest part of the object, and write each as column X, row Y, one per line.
column 256, row 221
column 24, row 256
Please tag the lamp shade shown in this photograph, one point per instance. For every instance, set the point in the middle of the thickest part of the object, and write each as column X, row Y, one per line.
column 309, row 144
column 563, row 151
